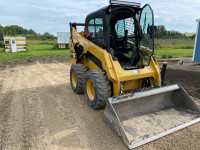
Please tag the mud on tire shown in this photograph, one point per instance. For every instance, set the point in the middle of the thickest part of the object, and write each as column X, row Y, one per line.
column 77, row 75
column 101, row 86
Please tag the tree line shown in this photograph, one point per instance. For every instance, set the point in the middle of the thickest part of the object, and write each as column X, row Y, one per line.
column 162, row 33
column 15, row 30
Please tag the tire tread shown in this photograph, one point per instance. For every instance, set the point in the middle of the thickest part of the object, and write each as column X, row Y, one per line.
column 103, row 88
column 80, row 71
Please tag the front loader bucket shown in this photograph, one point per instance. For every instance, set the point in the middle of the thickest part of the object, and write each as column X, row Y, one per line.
column 145, row 116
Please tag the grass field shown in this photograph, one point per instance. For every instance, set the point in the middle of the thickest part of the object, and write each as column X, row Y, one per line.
column 34, row 49
column 170, row 48
column 173, row 53
column 189, row 34
column 174, row 48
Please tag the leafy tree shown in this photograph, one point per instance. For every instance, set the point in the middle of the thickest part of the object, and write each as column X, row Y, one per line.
column 1, row 29
column 47, row 34
column 162, row 33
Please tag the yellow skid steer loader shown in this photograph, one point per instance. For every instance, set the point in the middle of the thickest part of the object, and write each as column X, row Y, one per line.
column 113, row 63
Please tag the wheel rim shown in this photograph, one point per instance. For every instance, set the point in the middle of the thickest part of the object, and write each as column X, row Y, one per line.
column 90, row 89
column 74, row 82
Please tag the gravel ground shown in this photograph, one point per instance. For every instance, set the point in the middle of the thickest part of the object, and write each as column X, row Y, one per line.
column 182, row 64
column 38, row 110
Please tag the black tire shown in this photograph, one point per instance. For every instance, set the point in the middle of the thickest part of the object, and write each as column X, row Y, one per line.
column 102, row 88
column 79, row 70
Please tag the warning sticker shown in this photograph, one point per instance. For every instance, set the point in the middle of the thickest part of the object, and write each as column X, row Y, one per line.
column 136, row 71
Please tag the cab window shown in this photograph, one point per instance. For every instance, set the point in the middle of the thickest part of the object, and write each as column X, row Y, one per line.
column 95, row 27
column 125, row 24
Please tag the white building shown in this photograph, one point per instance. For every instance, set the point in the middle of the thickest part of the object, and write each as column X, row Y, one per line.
column 63, row 39
column 14, row 43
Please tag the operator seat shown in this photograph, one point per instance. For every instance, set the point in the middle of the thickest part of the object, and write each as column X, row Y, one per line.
column 120, row 46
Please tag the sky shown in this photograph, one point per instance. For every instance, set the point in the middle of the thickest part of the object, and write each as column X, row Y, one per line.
column 54, row 15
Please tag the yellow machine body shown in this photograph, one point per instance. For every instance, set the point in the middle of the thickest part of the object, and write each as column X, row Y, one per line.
column 130, row 79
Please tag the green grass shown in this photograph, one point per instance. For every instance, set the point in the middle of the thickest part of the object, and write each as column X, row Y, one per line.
column 175, row 43
column 174, row 48
column 189, row 34
column 34, row 49
column 173, row 53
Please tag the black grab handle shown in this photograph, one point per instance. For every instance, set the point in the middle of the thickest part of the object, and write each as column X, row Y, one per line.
column 163, row 72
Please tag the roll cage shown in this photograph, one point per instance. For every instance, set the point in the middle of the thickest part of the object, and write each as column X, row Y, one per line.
column 106, row 14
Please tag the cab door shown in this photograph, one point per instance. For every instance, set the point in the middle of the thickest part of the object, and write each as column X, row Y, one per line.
column 13, row 45
column 147, row 26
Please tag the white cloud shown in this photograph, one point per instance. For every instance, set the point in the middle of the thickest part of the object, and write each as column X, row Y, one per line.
column 178, row 14
column 52, row 16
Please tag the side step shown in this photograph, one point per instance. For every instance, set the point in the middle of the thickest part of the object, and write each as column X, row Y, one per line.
column 145, row 116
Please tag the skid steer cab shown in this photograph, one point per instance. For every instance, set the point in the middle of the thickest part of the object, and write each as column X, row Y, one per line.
column 113, row 63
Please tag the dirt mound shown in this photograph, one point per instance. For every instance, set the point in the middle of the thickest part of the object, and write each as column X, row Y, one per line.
column 29, row 61
column 188, row 79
